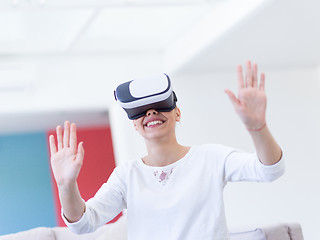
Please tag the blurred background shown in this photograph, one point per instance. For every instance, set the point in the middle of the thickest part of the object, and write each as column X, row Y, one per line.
column 61, row 60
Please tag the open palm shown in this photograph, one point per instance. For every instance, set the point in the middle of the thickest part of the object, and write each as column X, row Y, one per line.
column 251, row 102
column 67, row 159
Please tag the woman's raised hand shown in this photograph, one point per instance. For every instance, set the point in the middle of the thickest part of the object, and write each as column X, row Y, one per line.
column 67, row 159
column 251, row 101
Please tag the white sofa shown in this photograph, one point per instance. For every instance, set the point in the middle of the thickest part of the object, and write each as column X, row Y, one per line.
column 117, row 231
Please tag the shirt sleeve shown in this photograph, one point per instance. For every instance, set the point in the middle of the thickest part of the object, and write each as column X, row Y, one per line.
column 242, row 166
column 108, row 202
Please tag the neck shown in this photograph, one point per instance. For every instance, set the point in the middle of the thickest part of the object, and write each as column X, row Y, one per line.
column 163, row 153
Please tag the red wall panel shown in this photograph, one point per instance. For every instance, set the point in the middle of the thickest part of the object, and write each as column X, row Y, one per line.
column 97, row 166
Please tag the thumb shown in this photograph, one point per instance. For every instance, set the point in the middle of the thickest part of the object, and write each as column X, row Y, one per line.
column 80, row 153
column 232, row 97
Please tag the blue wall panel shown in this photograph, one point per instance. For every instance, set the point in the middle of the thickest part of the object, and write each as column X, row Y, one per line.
column 26, row 196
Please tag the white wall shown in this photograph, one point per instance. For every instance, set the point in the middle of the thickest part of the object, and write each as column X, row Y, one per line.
column 293, row 115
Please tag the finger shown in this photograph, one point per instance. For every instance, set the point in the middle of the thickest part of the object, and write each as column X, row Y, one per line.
column 52, row 144
column 240, row 77
column 248, row 74
column 66, row 134
column 73, row 137
column 232, row 98
column 80, row 154
column 59, row 137
column 255, row 75
column 262, row 81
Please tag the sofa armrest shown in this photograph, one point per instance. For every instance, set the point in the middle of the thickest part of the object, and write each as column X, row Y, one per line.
column 283, row 231
column 295, row 231
column 43, row 233
column 276, row 232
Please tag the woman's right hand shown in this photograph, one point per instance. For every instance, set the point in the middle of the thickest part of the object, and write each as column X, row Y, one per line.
column 67, row 159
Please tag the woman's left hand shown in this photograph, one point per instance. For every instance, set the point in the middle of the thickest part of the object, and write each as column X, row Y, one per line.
column 251, row 102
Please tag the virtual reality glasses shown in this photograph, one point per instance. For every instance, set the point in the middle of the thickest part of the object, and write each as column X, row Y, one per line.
column 137, row 96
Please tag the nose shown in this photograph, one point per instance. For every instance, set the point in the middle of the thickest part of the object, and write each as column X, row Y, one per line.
column 151, row 112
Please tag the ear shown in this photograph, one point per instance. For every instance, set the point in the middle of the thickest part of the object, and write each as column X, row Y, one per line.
column 178, row 115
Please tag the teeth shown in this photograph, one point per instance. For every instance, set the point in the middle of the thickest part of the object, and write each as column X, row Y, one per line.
column 154, row 123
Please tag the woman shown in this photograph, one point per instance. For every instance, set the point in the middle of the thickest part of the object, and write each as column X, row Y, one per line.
column 175, row 191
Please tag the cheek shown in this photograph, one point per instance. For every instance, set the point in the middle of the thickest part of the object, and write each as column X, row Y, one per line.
column 137, row 124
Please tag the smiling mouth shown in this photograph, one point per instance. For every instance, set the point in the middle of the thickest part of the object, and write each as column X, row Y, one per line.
column 153, row 123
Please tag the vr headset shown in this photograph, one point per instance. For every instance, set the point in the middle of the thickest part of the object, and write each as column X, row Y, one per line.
column 137, row 96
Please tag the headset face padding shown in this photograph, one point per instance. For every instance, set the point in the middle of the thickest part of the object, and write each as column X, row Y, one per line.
column 137, row 96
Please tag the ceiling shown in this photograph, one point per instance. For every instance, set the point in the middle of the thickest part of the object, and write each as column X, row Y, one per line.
column 191, row 35
column 194, row 35
column 42, row 27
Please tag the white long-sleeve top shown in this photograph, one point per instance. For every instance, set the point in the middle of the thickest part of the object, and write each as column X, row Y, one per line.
column 181, row 201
